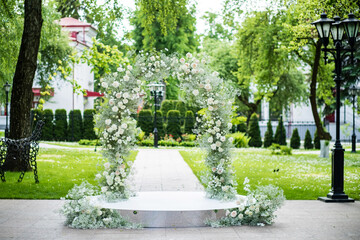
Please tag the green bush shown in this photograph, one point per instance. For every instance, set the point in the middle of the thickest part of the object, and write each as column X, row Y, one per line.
column 145, row 121
column 146, row 142
column 280, row 149
column 181, row 107
column 189, row 137
column 240, row 140
column 187, row 144
column 37, row 115
column 160, row 123
column 60, row 128
column 166, row 106
column 316, row 140
column 89, row 132
column 189, row 122
column 89, row 142
column 48, row 129
column 168, row 143
column 268, row 139
column 295, row 139
column 239, row 124
column 308, row 141
column 254, row 132
column 75, row 127
column 140, row 136
column 173, row 124
column 280, row 134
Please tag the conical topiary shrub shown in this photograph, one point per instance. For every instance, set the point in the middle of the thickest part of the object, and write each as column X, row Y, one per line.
column 173, row 124
column 316, row 140
column 166, row 106
column 189, row 122
column 254, row 131
column 268, row 139
column 160, row 123
column 280, row 134
column 308, row 141
column 47, row 133
column 75, row 125
column 89, row 131
column 145, row 121
column 295, row 139
column 60, row 128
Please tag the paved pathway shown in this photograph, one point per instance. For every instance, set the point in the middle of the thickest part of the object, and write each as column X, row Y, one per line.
column 38, row 219
column 163, row 170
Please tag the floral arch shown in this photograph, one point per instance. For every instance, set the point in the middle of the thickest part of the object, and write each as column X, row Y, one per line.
column 122, row 90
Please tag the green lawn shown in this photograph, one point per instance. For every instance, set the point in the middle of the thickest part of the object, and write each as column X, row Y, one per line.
column 58, row 170
column 302, row 175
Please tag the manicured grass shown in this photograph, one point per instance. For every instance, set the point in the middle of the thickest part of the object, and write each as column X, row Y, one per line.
column 58, row 170
column 302, row 175
column 70, row 145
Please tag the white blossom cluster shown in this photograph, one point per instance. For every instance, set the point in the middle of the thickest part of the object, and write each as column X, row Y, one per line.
column 211, row 93
column 257, row 208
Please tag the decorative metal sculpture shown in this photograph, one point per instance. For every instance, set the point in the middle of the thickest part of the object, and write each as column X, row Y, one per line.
column 26, row 149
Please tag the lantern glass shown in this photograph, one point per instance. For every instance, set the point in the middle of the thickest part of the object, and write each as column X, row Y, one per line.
column 7, row 87
column 337, row 31
column 351, row 26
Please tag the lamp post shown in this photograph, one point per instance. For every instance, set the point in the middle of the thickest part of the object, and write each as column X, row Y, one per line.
column 353, row 91
column 324, row 26
column 156, row 91
column 7, row 90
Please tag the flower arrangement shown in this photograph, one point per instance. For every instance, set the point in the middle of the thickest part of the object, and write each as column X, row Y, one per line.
column 256, row 209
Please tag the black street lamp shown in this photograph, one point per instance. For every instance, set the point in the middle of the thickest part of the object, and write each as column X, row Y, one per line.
column 353, row 91
column 324, row 26
column 156, row 91
column 7, row 87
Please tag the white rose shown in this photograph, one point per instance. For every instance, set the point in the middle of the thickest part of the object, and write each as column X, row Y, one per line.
column 233, row 214
column 195, row 92
column 104, row 85
column 210, row 108
column 220, row 171
column 213, row 146
column 214, row 169
column 107, row 165
column 218, row 144
column 118, row 95
column 182, row 60
column 152, row 58
column 248, row 212
column 215, row 74
column 222, row 138
column 220, row 149
column 227, row 213
column 119, row 69
column 115, row 84
column 126, row 95
column 210, row 139
column 123, row 107
column 98, row 176
column 130, row 67
column 218, row 123
column 115, row 74
column 109, row 181
column 125, row 101
column 241, row 207
column 229, row 125
column 201, row 85
column 231, row 139
column 104, row 189
column 193, row 65
column 99, row 212
column 201, row 71
column 115, row 109
column 108, row 121
column 126, row 78
column 121, row 131
column 189, row 55
column 111, row 102
column 207, row 87
column 124, row 125
column 194, row 71
column 138, row 82
column 128, row 139
column 240, row 216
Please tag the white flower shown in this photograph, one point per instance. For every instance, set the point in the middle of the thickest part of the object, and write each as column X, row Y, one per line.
column 109, row 180
column 118, row 95
column 115, row 74
column 227, row 213
column 98, row 176
column 215, row 74
column 104, row 85
column 182, row 60
column 117, row 172
column 111, row 101
column 213, row 146
column 125, row 101
column 210, row 139
column 108, row 121
column 203, row 61
column 138, row 82
column 99, row 212
column 220, row 149
column 117, row 179
column 107, row 165
column 152, row 58
column 126, row 78
column 214, row 169
column 121, row 131
column 222, row 161
column 231, row 139
column 210, row 108
column 257, row 210
column 220, row 171
column 229, row 125
column 126, row 95
column 252, row 207
column 124, row 125
column 194, row 71
column 193, row 65
column 225, row 188
column 128, row 139
column 222, row 138
column 115, row 109
column 104, row 189
column 248, row 212
column 210, row 101
column 233, row 214
column 240, row 216
column 130, row 67
column 195, row 92
column 218, row 144
column 241, row 208
column 189, row 55
column 115, row 84
column 207, row 87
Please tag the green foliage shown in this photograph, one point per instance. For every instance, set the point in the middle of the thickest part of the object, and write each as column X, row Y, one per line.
column 240, row 140
column 146, row 143
column 189, row 122
column 268, row 139
column 280, row 150
column 181, row 107
column 166, row 106
column 308, row 141
column 316, row 140
column 48, row 129
column 254, row 131
column 88, row 142
column 89, row 131
column 295, row 139
column 75, row 127
column 38, row 114
column 280, row 133
column 173, row 124
column 160, row 123
column 169, row 143
column 239, row 124
column 60, row 126
column 145, row 121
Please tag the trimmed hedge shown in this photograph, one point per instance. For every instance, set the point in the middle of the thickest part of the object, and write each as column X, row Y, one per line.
column 308, row 141
column 295, row 139
column 254, row 132
column 280, row 134
column 48, row 129
column 181, row 107
column 60, row 126
column 145, row 121
column 160, row 123
column 89, row 124
column 173, row 124
column 166, row 106
column 75, row 128
column 189, row 122
column 38, row 115
column 268, row 139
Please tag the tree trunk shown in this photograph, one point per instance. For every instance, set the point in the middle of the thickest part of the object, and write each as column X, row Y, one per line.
column 21, row 95
column 321, row 132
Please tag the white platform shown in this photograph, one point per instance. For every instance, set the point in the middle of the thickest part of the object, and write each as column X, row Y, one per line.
column 169, row 209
